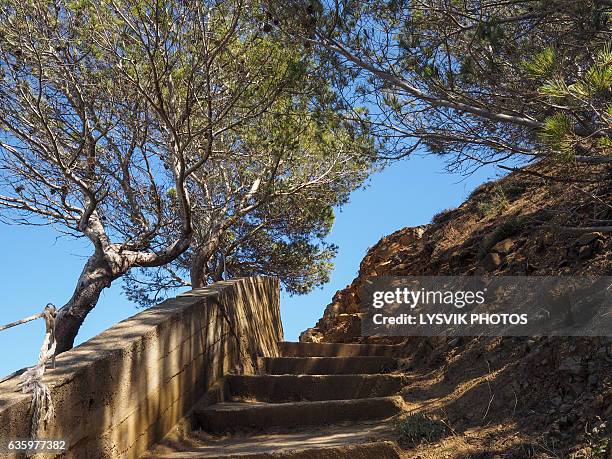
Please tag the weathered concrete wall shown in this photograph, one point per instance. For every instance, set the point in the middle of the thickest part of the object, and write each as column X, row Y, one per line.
column 123, row 390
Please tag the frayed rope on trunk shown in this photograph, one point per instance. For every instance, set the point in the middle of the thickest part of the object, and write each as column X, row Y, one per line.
column 31, row 379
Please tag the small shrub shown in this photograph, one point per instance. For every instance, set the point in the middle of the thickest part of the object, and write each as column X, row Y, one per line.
column 495, row 203
column 442, row 216
column 598, row 438
column 480, row 189
column 419, row 428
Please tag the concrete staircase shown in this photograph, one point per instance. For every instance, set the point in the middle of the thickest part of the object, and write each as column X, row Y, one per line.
column 315, row 401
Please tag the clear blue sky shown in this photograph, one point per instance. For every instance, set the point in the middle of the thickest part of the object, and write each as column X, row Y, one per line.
column 38, row 268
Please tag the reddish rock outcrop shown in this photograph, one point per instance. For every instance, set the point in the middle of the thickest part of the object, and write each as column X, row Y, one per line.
column 341, row 320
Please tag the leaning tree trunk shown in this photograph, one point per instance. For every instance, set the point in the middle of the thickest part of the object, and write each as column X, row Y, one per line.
column 108, row 263
column 95, row 277
column 198, row 271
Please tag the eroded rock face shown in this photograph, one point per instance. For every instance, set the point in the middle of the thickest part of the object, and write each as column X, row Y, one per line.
column 311, row 335
column 341, row 321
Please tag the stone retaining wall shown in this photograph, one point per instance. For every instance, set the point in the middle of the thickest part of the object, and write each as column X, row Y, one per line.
column 123, row 390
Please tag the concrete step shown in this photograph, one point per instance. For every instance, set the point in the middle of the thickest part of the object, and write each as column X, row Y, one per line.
column 290, row 349
column 326, row 365
column 378, row 450
column 235, row 416
column 287, row 388
column 355, row 441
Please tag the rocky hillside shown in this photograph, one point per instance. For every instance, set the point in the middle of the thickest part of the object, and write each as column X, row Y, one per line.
column 515, row 397
column 522, row 224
